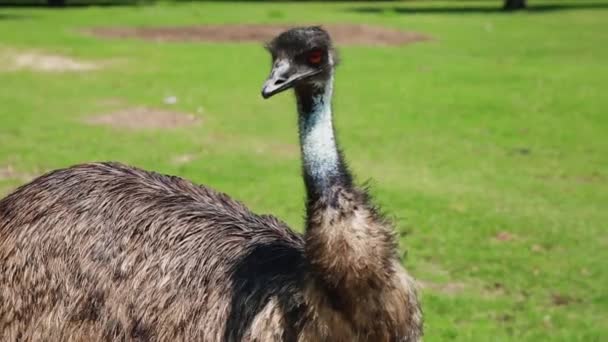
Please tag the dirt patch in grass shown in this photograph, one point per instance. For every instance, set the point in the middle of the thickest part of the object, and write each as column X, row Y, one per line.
column 449, row 288
column 38, row 61
column 494, row 290
column 142, row 118
column 343, row 34
column 504, row 236
column 594, row 177
column 8, row 172
column 559, row 299
column 182, row 159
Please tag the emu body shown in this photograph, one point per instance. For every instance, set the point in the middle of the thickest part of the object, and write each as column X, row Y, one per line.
column 110, row 252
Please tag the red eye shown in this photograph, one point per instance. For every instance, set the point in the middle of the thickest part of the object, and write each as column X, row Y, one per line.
column 315, row 57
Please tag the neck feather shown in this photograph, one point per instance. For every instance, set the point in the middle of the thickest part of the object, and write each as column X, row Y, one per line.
column 348, row 245
column 322, row 162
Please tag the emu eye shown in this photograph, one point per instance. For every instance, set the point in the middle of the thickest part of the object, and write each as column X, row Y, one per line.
column 315, row 57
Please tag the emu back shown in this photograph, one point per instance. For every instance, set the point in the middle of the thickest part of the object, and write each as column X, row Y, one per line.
column 110, row 252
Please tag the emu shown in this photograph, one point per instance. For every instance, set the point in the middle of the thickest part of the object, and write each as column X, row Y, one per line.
column 104, row 251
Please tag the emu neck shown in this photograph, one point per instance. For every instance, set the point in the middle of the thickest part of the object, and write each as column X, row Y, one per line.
column 321, row 159
column 347, row 243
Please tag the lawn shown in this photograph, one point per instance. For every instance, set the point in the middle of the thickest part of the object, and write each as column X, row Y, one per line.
column 488, row 144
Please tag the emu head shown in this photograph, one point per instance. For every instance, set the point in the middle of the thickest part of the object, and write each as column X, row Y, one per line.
column 300, row 56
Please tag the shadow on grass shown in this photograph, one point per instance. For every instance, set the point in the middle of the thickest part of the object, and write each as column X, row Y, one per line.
column 109, row 3
column 67, row 4
column 475, row 9
column 5, row 16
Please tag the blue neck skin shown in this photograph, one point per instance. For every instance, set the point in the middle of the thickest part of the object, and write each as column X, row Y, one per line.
column 321, row 160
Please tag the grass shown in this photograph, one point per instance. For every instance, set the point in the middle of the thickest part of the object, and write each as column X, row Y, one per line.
column 488, row 144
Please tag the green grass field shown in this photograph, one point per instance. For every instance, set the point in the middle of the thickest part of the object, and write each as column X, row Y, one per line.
column 488, row 144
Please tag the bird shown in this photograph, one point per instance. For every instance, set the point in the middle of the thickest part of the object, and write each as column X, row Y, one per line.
column 104, row 251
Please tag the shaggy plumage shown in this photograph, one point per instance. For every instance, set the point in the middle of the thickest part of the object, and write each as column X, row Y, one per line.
column 108, row 252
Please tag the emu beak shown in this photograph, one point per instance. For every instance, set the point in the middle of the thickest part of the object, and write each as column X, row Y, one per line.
column 283, row 76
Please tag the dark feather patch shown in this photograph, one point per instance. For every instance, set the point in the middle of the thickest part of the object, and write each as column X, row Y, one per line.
column 269, row 270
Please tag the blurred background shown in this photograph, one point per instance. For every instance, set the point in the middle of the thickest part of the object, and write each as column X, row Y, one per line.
column 482, row 125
